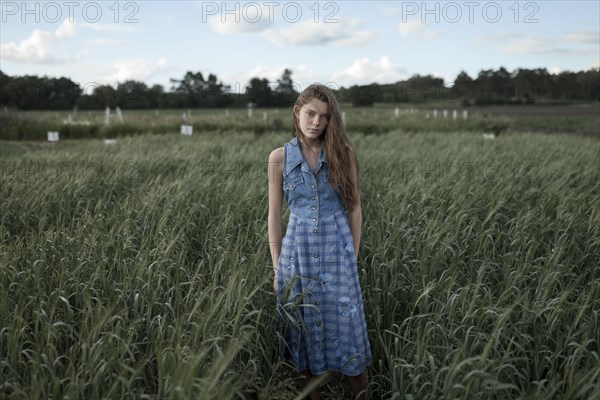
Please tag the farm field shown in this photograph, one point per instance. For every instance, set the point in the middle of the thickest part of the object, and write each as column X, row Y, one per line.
column 580, row 119
column 141, row 269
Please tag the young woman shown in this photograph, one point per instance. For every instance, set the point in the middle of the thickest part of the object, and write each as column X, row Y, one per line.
column 316, row 279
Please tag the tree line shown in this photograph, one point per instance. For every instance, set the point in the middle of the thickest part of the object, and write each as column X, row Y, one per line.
column 522, row 86
column 194, row 90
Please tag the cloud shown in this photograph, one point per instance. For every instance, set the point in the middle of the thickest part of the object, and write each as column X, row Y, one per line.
column 418, row 30
column 555, row 70
column 566, row 45
column 255, row 18
column 302, row 76
column 310, row 33
column 36, row 49
column 42, row 47
column 138, row 70
column 247, row 19
column 589, row 37
column 65, row 30
column 363, row 71
column 544, row 46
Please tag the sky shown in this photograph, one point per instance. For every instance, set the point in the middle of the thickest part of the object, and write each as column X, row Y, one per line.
column 339, row 43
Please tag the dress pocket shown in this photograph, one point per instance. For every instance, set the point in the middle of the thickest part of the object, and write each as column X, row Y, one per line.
column 287, row 257
column 293, row 182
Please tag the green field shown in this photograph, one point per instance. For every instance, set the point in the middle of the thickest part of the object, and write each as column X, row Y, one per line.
column 142, row 270
column 580, row 119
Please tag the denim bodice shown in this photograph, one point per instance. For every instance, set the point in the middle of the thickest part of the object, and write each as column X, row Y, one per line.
column 308, row 195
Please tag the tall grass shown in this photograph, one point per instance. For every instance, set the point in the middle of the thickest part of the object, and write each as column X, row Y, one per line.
column 141, row 269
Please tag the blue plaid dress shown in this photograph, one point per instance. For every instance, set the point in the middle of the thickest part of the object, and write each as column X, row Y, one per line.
column 319, row 296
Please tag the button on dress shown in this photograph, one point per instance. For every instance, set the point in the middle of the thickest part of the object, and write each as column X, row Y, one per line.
column 319, row 297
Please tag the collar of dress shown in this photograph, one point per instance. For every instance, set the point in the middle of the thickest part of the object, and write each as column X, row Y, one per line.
column 295, row 158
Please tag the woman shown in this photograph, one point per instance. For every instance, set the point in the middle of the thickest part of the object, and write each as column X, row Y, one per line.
column 316, row 279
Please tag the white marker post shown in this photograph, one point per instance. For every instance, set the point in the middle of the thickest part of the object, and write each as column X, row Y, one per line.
column 445, row 112
column 465, row 114
column 344, row 118
column 434, row 113
column 396, row 113
column 119, row 114
column 265, row 118
column 107, row 116
column 454, row 114
column 53, row 136
column 70, row 119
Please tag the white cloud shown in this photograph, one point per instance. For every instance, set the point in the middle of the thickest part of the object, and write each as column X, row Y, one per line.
column 544, row 46
column 555, row 70
column 566, row 45
column 138, row 70
column 588, row 37
column 418, row 30
column 364, row 71
column 302, row 76
column 42, row 47
column 310, row 33
column 65, row 30
column 247, row 19
column 35, row 49
column 260, row 19
column 448, row 79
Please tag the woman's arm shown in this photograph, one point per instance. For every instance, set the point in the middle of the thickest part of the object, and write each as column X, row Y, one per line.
column 275, row 175
column 355, row 215
column 355, row 220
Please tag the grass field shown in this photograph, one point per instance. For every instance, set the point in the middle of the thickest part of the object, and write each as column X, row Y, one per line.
column 580, row 119
column 141, row 269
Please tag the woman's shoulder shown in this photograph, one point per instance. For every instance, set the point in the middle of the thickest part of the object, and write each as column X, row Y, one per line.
column 277, row 156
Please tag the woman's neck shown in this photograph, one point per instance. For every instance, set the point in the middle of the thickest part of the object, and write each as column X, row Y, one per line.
column 312, row 145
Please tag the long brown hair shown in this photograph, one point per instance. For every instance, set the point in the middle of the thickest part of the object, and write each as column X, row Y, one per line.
column 335, row 141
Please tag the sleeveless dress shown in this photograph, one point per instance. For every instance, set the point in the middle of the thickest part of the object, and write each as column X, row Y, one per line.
column 319, row 298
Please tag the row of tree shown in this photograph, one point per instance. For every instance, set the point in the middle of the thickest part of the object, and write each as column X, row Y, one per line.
column 489, row 87
column 31, row 92
column 194, row 90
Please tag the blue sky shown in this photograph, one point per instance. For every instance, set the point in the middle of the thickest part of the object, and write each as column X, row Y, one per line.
column 337, row 42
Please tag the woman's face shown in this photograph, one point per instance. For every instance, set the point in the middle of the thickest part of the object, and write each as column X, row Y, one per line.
column 313, row 118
